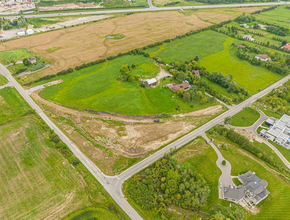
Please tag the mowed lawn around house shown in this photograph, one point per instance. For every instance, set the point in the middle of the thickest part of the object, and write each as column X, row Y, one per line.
column 247, row 117
column 37, row 182
column 3, row 80
column 101, row 91
column 14, row 55
column 275, row 206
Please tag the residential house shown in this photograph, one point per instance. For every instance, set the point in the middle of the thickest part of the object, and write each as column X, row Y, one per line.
column 286, row 47
column 263, row 57
column 261, row 26
column 196, row 72
column 248, row 37
column 251, row 192
column 32, row 60
column 244, row 25
column 241, row 46
column 175, row 87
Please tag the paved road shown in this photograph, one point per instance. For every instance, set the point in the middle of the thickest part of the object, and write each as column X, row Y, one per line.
column 94, row 170
column 225, row 178
column 152, row 8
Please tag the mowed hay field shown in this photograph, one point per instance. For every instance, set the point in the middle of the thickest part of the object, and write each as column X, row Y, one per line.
column 36, row 181
column 88, row 43
column 216, row 55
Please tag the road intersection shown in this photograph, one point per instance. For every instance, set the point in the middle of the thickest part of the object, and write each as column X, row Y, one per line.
column 113, row 184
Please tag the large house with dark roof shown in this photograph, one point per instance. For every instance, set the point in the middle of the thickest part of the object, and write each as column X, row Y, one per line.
column 251, row 192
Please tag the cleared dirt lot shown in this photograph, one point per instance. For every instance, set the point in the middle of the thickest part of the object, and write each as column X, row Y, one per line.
column 88, row 43
column 113, row 142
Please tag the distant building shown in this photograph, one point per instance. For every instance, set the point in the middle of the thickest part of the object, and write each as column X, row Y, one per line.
column 150, row 82
column 286, row 47
column 196, row 72
column 21, row 33
column 175, row 87
column 29, row 31
column 264, row 27
column 279, row 131
column 263, row 57
column 248, row 37
column 32, row 60
column 251, row 192
column 241, row 46
column 244, row 25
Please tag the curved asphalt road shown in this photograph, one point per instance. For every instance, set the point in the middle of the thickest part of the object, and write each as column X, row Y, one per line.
column 151, row 8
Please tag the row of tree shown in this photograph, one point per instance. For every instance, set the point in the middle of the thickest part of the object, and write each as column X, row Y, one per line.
column 8, row 24
column 165, row 183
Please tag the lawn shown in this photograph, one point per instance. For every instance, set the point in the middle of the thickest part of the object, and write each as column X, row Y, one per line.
column 275, row 206
column 279, row 16
column 252, row 78
column 101, row 91
column 18, row 54
column 188, row 47
column 247, row 117
column 283, row 150
column 3, row 80
column 39, row 22
column 36, row 180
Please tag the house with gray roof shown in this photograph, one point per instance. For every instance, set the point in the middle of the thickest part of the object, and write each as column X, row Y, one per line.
column 251, row 192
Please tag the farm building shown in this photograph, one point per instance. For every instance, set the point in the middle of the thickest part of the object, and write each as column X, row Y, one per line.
column 263, row 57
column 29, row 31
column 32, row 60
column 175, row 87
column 286, row 47
column 248, row 37
column 251, row 192
column 261, row 26
column 244, row 25
column 150, row 82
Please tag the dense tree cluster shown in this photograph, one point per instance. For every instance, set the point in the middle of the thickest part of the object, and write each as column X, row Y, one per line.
column 245, row 143
column 278, row 100
column 281, row 31
column 164, row 184
column 227, row 1
column 245, row 18
column 171, row 3
column 8, row 24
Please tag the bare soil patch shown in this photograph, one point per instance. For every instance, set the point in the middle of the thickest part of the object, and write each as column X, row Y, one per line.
column 87, row 43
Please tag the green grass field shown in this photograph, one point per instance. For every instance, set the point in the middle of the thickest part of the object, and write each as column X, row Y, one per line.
column 247, row 117
column 102, row 91
column 279, row 16
column 17, row 54
column 283, row 150
column 39, row 22
column 3, row 80
column 275, row 206
column 216, row 54
column 36, row 180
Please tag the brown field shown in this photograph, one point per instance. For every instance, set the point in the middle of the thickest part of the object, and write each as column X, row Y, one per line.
column 88, row 43
column 125, row 140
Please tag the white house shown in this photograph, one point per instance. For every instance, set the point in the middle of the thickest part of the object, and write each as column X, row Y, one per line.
column 248, row 37
column 263, row 57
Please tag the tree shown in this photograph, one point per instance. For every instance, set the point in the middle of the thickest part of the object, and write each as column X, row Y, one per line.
column 186, row 96
column 196, row 58
column 224, row 162
column 180, row 92
column 228, row 120
column 26, row 62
